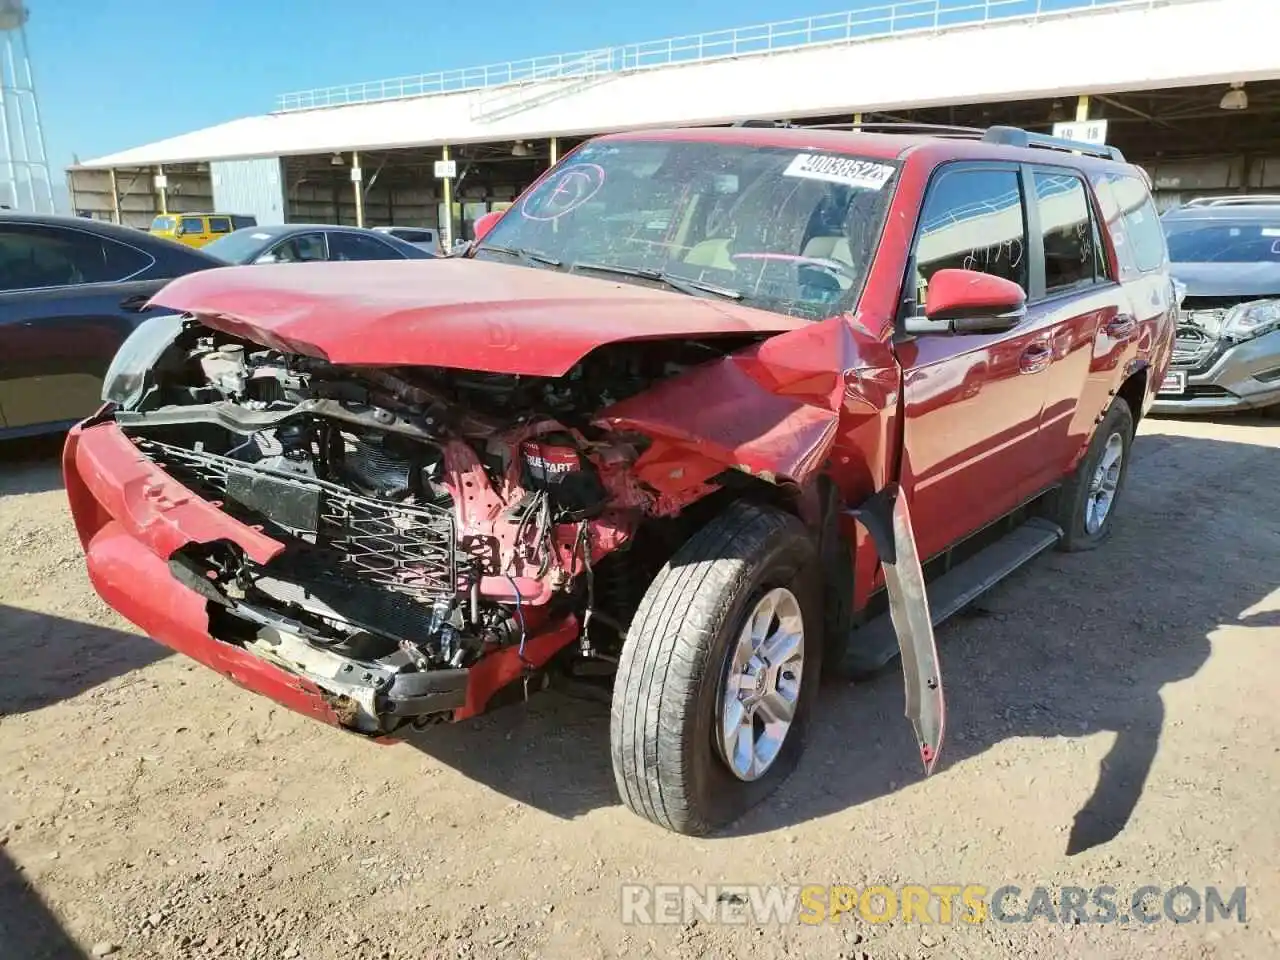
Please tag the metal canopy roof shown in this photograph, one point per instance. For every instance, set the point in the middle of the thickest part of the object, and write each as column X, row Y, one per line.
column 1113, row 46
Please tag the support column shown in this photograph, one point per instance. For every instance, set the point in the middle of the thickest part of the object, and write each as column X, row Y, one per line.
column 446, row 225
column 1082, row 108
column 357, row 181
column 555, row 151
column 162, row 187
column 115, row 196
column 857, row 122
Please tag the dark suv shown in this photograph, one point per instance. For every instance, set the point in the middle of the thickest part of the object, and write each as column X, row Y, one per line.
column 1226, row 259
column 706, row 414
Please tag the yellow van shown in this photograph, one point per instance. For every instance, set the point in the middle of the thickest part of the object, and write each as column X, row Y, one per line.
column 197, row 229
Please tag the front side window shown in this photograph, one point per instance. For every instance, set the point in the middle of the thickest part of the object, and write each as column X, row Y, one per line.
column 972, row 220
column 1071, row 255
column 35, row 255
column 785, row 230
column 303, row 248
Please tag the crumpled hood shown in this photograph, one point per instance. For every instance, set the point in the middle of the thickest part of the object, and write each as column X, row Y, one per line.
column 1243, row 280
column 467, row 314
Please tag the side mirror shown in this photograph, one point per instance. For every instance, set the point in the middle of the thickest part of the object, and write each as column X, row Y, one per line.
column 967, row 301
column 485, row 223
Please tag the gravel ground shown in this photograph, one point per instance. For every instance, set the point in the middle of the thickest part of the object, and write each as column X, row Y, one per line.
column 1112, row 721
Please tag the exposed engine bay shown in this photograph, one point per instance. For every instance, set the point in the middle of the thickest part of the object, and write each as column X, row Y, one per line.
column 430, row 516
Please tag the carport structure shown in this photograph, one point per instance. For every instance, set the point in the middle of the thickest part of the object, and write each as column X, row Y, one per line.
column 1185, row 86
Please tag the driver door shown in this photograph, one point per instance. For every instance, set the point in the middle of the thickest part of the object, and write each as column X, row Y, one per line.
column 973, row 401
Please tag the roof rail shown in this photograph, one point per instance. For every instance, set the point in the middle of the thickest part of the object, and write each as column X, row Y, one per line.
column 1242, row 200
column 1017, row 137
column 900, row 126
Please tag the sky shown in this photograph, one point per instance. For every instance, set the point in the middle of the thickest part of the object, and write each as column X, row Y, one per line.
column 115, row 74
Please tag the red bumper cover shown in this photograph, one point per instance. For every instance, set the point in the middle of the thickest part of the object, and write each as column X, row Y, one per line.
column 131, row 516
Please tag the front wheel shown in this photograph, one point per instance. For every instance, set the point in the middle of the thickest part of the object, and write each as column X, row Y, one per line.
column 718, row 673
column 1086, row 504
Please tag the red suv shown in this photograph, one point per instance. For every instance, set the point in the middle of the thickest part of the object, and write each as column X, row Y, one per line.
column 705, row 414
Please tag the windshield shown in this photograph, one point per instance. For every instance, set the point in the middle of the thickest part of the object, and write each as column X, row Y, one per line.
column 1223, row 241
column 240, row 246
column 787, row 231
column 162, row 224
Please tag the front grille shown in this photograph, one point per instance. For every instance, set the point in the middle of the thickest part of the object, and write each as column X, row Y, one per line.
column 409, row 549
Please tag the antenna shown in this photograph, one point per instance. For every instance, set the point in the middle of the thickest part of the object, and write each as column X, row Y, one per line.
column 25, row 180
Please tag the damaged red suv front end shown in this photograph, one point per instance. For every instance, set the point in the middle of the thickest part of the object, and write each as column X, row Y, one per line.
column 376, row 526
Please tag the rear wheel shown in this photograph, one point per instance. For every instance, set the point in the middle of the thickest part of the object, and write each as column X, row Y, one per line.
column 718, row 673
column 1086, row 504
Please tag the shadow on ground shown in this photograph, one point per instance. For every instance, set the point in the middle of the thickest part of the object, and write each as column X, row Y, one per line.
column 28, row 928
column 1072, row 645
column 45, row 659
column 31, row 465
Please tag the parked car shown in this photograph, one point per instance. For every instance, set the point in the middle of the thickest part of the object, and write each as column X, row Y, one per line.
column 712, row 412
column 425, row 238
column 310, row 242
column 1226, row 256
column 71, row 292
column 199, row 229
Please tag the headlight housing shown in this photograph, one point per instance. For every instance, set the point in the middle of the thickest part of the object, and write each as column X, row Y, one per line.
column 126, row 378
column 1245, row 321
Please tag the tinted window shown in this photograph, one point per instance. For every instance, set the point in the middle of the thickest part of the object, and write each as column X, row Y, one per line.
column 32, row 255
column 1217, row 240
column 191, row 225
column 1070, row 254
column 219, row 225
column 972, row 220
column 240, row 222
column 353, row 246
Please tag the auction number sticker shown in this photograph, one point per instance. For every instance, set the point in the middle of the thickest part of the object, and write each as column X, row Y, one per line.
column 836, row 169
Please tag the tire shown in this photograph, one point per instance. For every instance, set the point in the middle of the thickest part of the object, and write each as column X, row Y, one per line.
column 1072, row 513
column 668, row 762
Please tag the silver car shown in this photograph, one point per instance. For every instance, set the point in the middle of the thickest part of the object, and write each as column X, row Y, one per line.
column 1226, row 261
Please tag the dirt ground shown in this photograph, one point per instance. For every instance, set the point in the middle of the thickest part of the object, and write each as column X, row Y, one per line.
column 1113, row 720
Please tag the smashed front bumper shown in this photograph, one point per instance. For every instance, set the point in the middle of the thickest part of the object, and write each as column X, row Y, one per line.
column 132, row 517
column 1231, row 378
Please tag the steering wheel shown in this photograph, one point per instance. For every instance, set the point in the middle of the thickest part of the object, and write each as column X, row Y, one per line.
column 833, row 267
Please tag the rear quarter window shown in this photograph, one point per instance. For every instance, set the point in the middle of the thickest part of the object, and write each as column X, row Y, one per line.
column 1133, row 222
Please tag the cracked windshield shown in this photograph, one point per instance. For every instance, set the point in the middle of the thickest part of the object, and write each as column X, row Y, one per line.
column 777, row 229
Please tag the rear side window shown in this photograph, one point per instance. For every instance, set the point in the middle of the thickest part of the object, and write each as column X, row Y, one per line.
column 219, row 225
column 352, row 246
column 973, row 219
column 1072, row 251
column 35, row 255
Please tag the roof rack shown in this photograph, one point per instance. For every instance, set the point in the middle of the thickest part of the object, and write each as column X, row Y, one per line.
column 1243, row 200
column 1005, row 136
column 1017, row 137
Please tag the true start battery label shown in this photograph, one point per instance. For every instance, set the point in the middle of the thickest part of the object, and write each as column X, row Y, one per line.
column 547, row 463
column 836, row 169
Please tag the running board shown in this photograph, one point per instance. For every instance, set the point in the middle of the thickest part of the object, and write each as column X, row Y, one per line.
column 875, row 645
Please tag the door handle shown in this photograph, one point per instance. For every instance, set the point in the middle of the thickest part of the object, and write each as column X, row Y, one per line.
column 137, row 302
column 1121, row 326
column 1035, row 358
